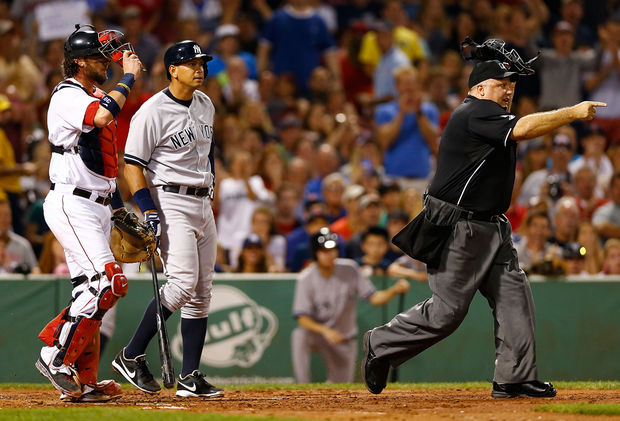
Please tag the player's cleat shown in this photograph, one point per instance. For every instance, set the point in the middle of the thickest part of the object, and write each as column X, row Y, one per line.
column 531, row 389
column 136, row 372
column 67, row 383
column 374, row 370
column 195, row 385
column 103, row 391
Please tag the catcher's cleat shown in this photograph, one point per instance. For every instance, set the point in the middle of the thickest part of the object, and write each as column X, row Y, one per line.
column 531, row 389
column 103, row 391
column 67, row 383
column 374, row 370
column 136, row 372
column 194, row 385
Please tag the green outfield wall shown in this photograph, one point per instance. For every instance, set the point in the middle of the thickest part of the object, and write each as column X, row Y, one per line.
column 578, row 335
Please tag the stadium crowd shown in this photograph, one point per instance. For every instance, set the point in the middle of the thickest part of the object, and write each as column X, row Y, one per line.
column 329, row 113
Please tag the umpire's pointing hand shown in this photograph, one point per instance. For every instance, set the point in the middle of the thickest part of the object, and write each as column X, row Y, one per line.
column 585, row 110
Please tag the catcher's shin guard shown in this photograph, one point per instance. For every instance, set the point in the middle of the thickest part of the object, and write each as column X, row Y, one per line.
column 80, row 335
column 51, row 331
column 87, row 364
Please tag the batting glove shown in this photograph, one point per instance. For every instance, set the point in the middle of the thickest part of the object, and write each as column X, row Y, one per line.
column 152, row 220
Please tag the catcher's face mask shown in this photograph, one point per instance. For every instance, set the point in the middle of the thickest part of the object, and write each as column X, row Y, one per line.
column 495, row 49
column 113, row 43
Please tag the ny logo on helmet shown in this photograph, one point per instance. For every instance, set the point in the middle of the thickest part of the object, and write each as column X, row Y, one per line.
column 197, row 49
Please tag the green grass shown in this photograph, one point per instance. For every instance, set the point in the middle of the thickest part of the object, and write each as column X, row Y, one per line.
column 581, row 408
column 592, row 385
column 123, row 414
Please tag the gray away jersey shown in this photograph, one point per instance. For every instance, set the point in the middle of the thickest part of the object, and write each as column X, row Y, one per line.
column 173, row 139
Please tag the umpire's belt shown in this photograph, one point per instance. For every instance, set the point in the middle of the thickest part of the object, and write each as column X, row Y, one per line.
column 190, row 191
column 86, row 194
column 479, row 216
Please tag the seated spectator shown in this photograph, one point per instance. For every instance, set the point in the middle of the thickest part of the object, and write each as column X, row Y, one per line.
column 589, row 238
column 369, row 216
column 18, row 251
column 253, row 257
column 611, row 264
column 347, row 225
column 390, row 199
column 565, row 221
column 573, row 257
column 288, row 198
column 584, row 180
column 594, row 142
column 263, row 225
column 272, row 167
column 534, row 247
column 325, row 162
column 325, row 309
column 606, row 219
column 53, row 259
column 407, row 267
column 332, row 190
column 374, row 247
column 396, row 221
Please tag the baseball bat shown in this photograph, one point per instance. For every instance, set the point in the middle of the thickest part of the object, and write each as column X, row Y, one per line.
column 401, row 308
column 167, row 368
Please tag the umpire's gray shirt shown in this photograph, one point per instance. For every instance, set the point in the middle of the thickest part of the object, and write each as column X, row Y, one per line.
column 332, row 301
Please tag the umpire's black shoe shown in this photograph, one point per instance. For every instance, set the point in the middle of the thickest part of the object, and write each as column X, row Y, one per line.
column 136, row 372
column 374, row 370
column 195, row 385
column 531, row 389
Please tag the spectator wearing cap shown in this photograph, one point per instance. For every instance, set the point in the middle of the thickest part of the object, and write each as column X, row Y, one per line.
column 551, row 182
column 594, row 143
column 406, row 39
column 297, row 38
column 606, row 218
column 562, row 69
column 534, row 247
column 289, row 133
column 346, row 226
column 226, row 46
column 392, row 57
column 263, row 225
column 407, row 130
column 573, row 257
column 611, row 264
column 374, row 245
column 604, row 83
column 253, row 258
column 369, row 216
column 586, row 193
column 298, row 252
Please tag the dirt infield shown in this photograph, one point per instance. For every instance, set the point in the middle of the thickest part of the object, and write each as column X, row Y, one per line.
column 341, row 404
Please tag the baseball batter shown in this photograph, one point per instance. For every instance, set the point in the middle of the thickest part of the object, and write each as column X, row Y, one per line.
column 170, row 171
column 324, row 305
column 83, row 170
column 466, row 241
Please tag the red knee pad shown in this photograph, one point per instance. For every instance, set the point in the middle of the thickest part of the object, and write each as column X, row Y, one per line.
column 106, row 301
column 118, row 281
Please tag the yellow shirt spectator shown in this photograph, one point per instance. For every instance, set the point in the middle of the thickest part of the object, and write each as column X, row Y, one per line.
column 406, row 39
column 8, row 183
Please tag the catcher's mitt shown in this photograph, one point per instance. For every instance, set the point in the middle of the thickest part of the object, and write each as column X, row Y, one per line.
column 131, row 240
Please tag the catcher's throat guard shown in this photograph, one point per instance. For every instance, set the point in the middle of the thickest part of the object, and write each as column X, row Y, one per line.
column 495, row 49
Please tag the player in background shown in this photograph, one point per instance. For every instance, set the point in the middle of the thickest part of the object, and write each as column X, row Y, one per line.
column 170, row 172
column 83, row 171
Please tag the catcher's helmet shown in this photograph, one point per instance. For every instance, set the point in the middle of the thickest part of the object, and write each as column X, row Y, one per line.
column 184, row 51
column 324, row 239
column 83, row 42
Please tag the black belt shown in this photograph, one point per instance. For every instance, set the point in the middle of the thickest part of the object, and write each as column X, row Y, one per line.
column 79, row 280
column 61, row 150
column 191, row 191
column 479, row 216
column 86, row 194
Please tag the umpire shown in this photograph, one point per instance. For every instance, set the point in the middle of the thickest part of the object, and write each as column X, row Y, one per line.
column 465, row 240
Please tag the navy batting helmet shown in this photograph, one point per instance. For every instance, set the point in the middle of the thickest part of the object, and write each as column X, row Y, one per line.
column 182, row 52
column 325, row 240
column 83, row 42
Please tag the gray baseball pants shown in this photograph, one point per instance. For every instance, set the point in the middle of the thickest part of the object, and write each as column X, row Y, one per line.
column 479, row 256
